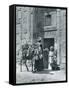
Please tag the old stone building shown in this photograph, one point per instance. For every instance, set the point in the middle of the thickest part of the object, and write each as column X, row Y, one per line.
column 50, row 24
column 47, row 23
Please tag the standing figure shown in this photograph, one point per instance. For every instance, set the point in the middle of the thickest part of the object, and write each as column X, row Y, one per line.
column 35, row 60
column 46, row 57
column 51, row 53
column 40, row 66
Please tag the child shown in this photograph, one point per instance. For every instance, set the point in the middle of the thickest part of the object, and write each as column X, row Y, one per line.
column 54, row 64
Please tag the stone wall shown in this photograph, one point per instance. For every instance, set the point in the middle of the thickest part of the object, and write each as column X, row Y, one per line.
column 57, row 30
column 24, row 28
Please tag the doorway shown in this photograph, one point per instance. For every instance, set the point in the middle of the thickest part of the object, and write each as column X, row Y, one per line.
column 48, row 42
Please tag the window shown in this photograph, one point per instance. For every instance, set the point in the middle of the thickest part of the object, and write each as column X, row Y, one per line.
column 48, row 20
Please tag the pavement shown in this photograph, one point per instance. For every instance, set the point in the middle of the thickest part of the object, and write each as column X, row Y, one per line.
column 42, row 76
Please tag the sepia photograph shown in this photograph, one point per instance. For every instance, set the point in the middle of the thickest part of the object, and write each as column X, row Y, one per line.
column 40, row 44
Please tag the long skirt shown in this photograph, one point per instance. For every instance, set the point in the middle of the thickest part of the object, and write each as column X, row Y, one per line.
column 40, row 65
column 36, row 65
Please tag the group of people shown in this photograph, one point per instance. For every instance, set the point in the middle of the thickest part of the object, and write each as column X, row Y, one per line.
column 36, row 56
column 38, row 59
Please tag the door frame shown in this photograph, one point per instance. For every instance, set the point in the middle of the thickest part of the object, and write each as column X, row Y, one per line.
column 44, row 59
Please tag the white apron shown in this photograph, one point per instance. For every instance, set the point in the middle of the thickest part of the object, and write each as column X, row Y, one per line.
column 50, row 60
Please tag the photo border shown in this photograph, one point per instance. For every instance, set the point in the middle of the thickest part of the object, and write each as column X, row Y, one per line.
column 38, row 6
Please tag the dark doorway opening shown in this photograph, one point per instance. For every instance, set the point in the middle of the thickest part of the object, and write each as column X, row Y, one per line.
column 48, row 42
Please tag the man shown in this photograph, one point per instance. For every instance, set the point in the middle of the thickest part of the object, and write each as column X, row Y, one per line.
column 35, row 60
column 51, row 54
column 40, row 49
